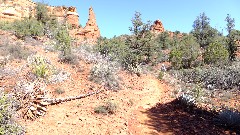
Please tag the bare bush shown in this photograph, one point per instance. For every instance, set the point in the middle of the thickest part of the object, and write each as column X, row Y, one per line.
column 105, row 72
column 59, row 76
column 88, row 55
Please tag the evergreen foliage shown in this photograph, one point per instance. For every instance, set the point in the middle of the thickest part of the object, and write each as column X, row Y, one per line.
column 216, row 53
column 185, row 54
column 202, row 30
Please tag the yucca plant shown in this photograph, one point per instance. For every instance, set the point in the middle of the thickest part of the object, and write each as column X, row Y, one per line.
column 40, row 66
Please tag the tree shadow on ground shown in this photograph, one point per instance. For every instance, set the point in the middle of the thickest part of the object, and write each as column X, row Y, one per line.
column 175, row 119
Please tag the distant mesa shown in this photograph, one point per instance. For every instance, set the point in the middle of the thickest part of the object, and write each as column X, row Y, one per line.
column 11, row 10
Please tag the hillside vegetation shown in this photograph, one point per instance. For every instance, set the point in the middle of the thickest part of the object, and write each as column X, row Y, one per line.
column 190, row 77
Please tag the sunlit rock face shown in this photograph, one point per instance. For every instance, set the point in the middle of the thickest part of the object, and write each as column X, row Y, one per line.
column 11, row 10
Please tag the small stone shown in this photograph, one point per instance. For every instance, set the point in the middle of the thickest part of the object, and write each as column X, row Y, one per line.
column 74, row 123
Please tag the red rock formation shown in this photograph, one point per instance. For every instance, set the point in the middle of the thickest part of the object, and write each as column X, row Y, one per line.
column 72, row 17
column 91, row 30
column 11, row 10
column 157, row 27
column 58, row 12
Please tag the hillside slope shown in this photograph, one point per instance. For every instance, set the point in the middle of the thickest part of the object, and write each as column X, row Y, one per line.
column 144, row 105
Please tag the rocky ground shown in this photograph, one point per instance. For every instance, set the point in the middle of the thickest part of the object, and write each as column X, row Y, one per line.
column 144, row 104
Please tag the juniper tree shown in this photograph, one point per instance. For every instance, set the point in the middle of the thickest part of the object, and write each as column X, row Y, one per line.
column 202, row 30
column 140, row 42
column 232, row 36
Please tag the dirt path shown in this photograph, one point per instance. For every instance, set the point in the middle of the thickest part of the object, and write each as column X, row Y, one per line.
column 144, row 107
column 78, row 117
column 138, row 94
column 155, row 92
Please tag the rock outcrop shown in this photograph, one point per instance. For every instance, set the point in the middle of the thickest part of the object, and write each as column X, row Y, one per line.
column 91, row 31
column 72, row 17
column 58, row 12
column 11, row 10
column 157, row 27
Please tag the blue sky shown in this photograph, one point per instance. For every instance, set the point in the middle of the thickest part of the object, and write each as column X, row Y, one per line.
column 114, row 17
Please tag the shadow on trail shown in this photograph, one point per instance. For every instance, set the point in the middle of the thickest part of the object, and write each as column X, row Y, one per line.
column 174, row 119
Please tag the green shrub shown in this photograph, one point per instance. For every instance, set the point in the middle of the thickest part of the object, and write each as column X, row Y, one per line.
column 8, row 125
column 108, row 108
column 164, row 40
column 216, row 54
column 185, row 54
column 28, row 27
column 117, row 50
column 175, row 58
column 141, row 46
column 64, row 41
column 5, row 25
column 51, row 28
column 23, row 28
column 213, row 77
column 133, row 50
column 42, row 13
column 203, row 31
column 232, row 37
column 43, row 24
column 160, row 75
column 114, row 47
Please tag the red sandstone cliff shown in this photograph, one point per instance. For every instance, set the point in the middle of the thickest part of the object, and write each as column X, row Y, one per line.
column 11, row 10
